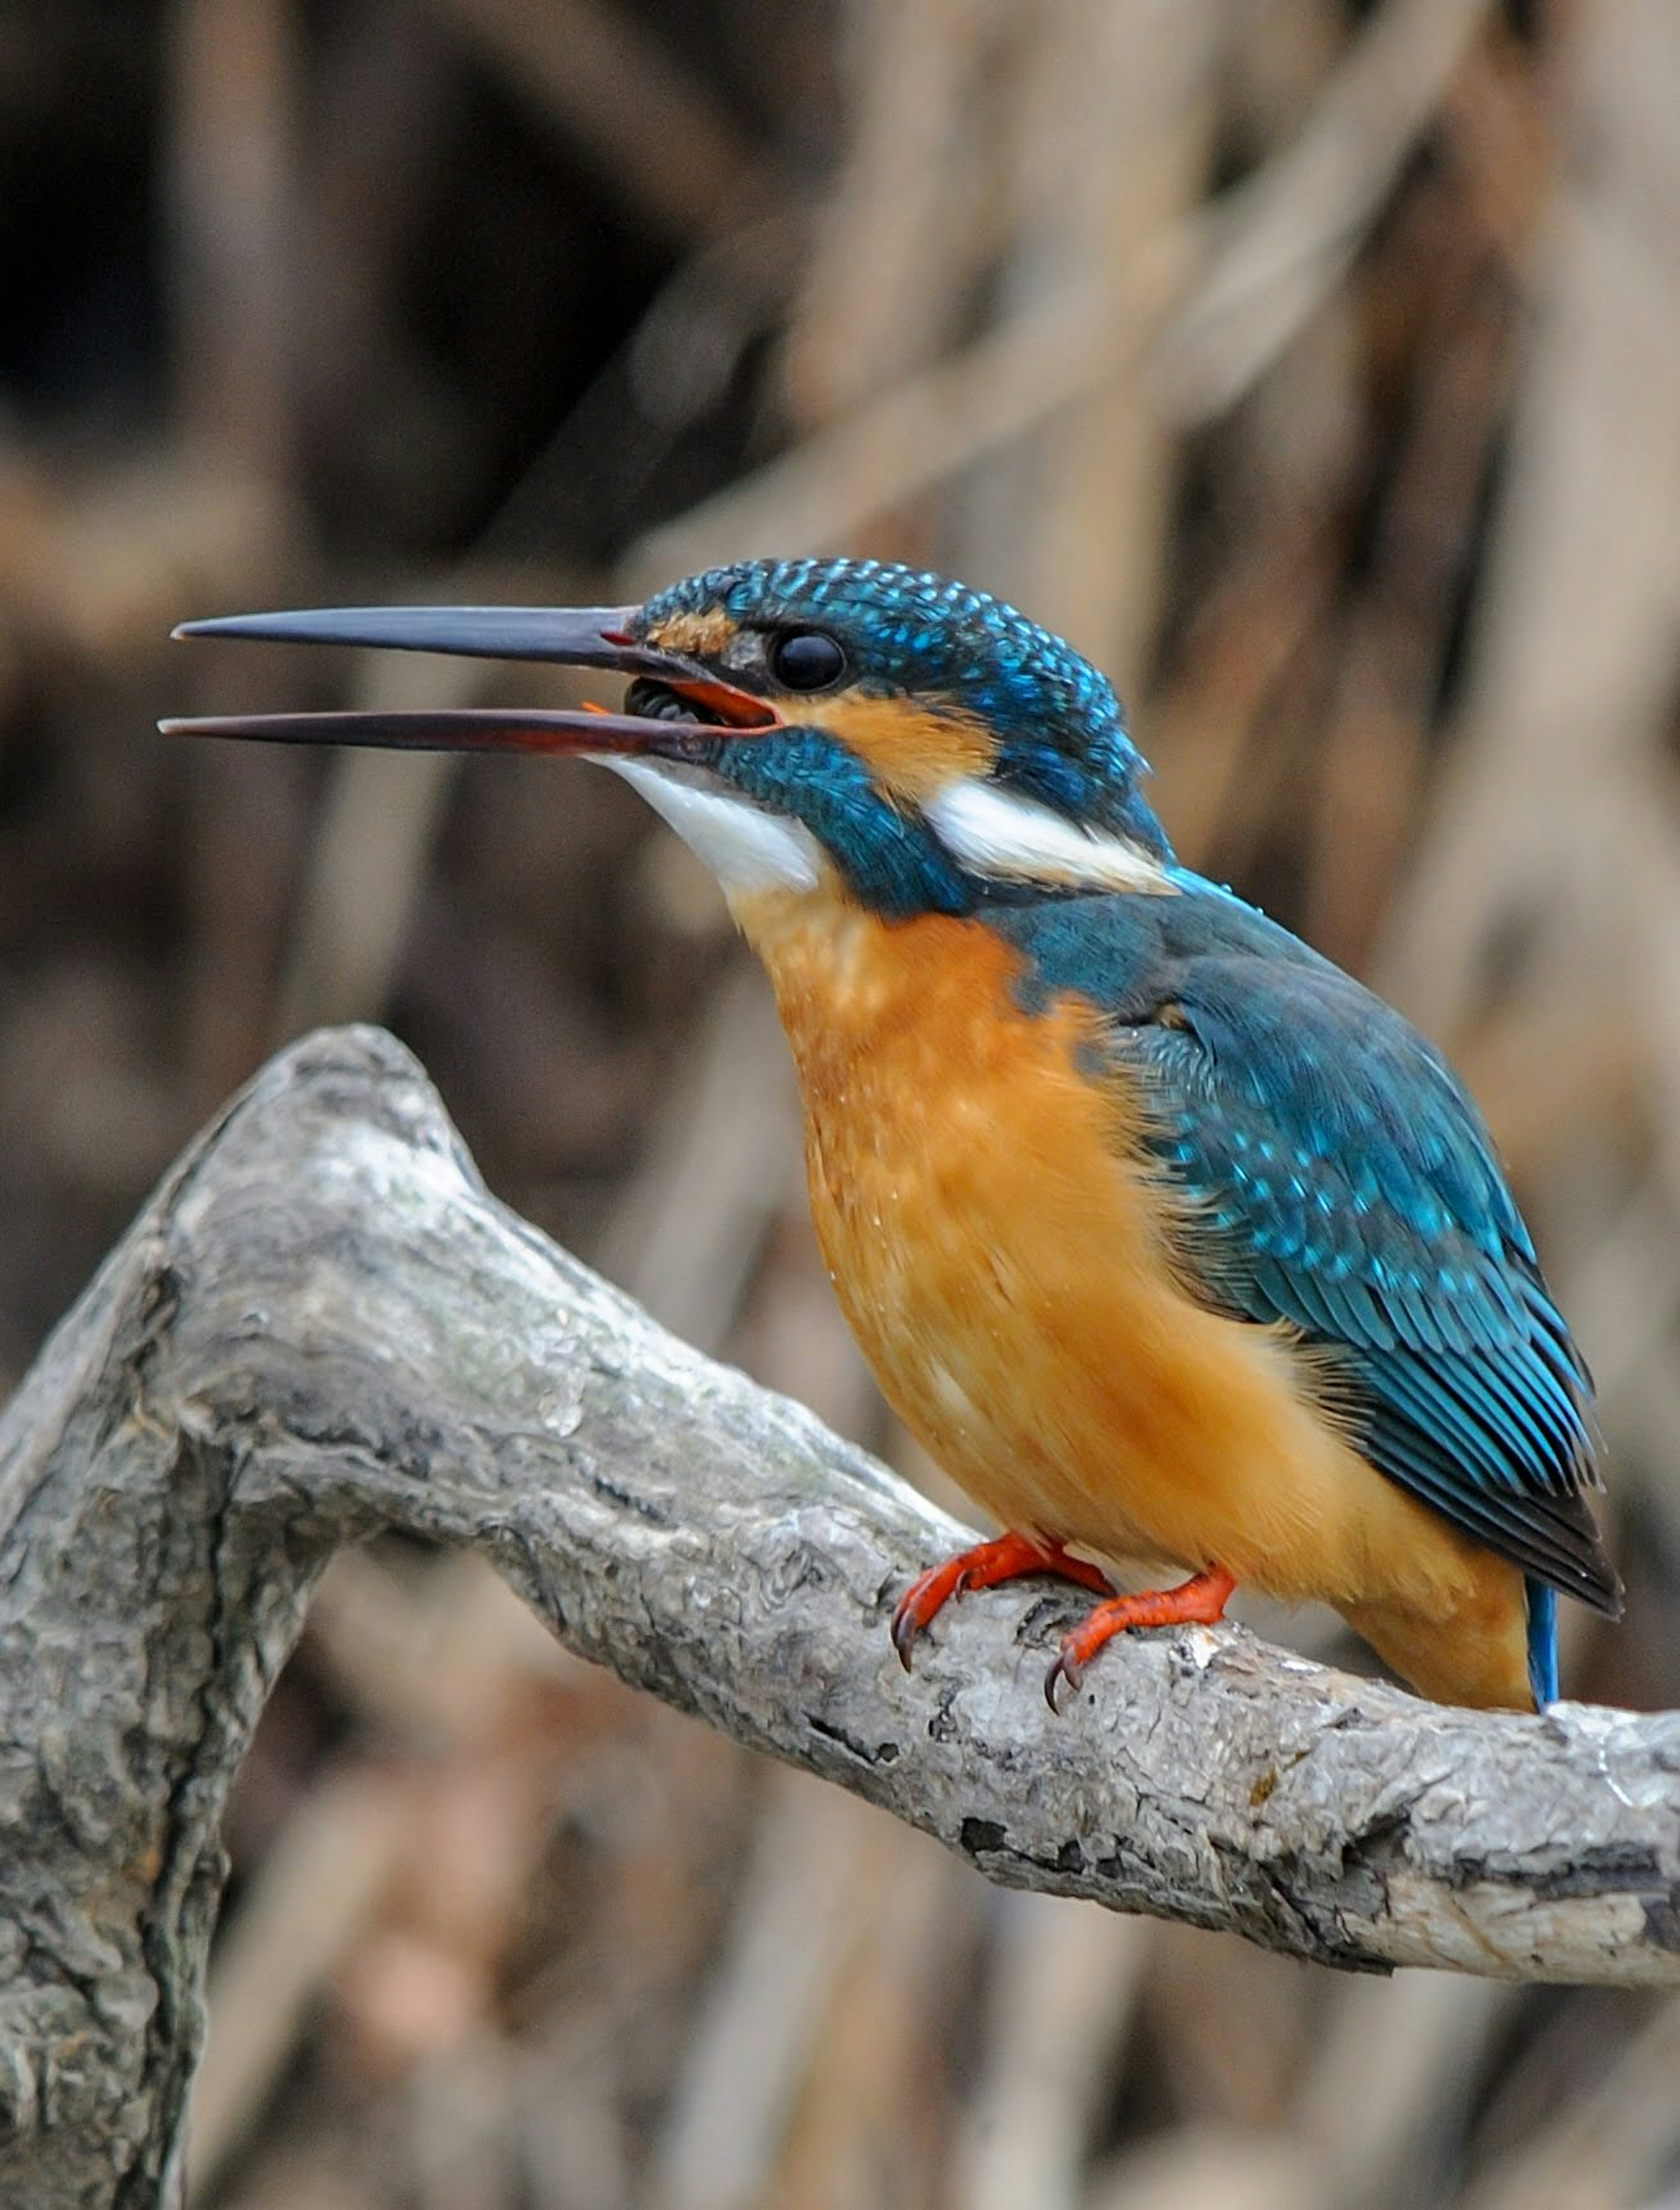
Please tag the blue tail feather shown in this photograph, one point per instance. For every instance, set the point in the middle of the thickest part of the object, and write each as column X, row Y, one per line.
column 1542, row 1643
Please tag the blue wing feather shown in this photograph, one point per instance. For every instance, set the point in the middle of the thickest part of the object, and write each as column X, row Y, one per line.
column 1336, row 1177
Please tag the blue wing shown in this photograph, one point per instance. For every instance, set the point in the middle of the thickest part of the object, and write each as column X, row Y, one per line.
column 1338, row 1178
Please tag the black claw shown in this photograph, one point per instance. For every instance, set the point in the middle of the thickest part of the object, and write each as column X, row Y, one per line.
column 1060, row 1671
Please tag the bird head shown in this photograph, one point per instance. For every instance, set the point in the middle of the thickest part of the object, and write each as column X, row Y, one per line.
column 804, row 724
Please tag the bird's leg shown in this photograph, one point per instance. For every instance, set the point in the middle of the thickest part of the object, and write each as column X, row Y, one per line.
column 1005, row 1559
column 1199, row 1602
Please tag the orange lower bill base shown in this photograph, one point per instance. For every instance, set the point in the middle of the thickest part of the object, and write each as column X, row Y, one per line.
column 1199, row 1602
column 1008, row 1558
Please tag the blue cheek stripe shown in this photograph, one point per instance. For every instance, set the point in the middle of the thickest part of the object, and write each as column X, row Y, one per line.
column 891, row 862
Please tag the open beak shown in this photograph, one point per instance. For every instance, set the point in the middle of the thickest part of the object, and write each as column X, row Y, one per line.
column 575, row 637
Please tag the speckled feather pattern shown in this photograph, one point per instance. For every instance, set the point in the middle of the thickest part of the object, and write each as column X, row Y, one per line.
column 1338, row 1179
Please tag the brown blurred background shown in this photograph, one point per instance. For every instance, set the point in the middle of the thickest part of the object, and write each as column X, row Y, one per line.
column 1315, row 366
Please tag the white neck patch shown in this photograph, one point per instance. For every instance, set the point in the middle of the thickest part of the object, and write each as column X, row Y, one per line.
column 993, row 832
column 745, row 848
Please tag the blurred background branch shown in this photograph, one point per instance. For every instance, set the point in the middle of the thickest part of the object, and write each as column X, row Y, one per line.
column 1316, row 365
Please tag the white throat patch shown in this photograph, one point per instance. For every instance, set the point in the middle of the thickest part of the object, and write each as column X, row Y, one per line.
column 747, row 847
column 992, row 832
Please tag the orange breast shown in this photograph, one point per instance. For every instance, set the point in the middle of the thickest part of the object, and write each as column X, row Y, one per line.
column 1003, row 1255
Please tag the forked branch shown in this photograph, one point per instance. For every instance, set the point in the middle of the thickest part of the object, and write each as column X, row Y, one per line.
column 323, row 1325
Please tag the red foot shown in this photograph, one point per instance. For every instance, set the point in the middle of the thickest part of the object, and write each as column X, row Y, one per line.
column 1198, row 1602
column 1006, row 1559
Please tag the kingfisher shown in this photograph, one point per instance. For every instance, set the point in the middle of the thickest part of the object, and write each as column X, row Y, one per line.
column 1180, row 1252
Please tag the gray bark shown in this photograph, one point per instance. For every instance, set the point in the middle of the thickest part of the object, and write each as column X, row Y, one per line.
column 323, row 1325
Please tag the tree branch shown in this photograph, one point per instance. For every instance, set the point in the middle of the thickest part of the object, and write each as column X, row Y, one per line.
column 322, row 1325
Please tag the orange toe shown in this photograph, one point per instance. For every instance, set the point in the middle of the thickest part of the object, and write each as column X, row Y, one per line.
column 1199, row 1602
column 1006, row 1558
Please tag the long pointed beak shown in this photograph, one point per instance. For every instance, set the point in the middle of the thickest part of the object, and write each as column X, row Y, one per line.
column 574, row 637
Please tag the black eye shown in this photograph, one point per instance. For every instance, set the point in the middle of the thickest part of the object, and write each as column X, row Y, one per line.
column 807, row 660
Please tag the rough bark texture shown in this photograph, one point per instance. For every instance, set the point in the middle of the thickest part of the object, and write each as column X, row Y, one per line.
column 323, row 1325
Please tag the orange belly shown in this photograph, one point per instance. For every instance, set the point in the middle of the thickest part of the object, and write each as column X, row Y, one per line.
column 1003, row 1254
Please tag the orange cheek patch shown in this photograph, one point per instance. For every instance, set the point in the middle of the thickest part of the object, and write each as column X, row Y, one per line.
column 911, row 754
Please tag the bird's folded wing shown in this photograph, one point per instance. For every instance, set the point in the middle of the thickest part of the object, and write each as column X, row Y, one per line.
column 1335, row 1177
